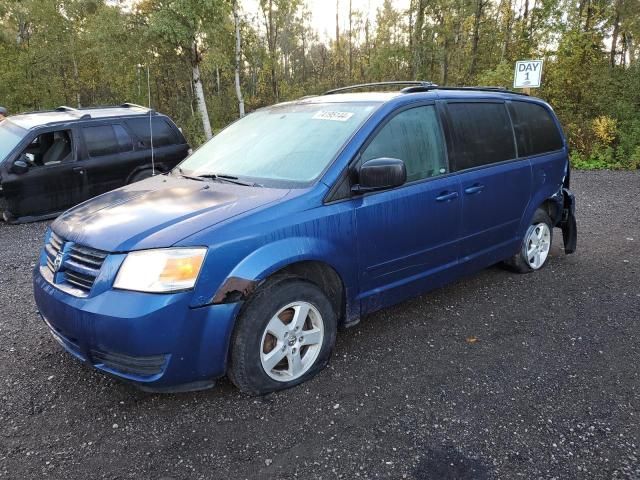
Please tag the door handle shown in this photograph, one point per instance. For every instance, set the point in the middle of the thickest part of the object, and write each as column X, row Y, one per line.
column 477, row 188
column 79, row 170
column 446, row 196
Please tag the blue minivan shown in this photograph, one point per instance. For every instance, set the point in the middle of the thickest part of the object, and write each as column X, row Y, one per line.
column 296, row 220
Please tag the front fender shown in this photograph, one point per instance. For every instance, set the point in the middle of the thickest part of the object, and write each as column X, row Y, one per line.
column 248, row 250
column 273, row 257
column 269, row 259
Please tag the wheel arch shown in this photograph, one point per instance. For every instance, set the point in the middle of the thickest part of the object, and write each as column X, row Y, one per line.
column 331, row 267
column 553, row 208
column 159, row 167
column 320, row 273
column 551, row 204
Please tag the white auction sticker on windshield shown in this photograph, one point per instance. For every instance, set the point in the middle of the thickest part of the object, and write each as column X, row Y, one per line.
column 335, row 116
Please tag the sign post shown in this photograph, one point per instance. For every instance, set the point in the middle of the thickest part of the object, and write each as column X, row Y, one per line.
column 527, row 75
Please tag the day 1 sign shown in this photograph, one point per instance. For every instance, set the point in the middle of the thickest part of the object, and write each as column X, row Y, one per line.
column 528, row 74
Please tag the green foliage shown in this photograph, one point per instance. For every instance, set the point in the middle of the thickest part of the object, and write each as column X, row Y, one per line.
column 93, row 52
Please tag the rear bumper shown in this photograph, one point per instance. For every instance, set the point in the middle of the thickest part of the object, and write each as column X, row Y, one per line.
column 155, row 341
column 568, row 222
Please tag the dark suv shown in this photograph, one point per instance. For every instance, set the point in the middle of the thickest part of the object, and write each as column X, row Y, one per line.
column 53, row 160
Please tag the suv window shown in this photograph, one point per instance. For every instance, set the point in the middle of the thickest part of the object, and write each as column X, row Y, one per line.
column 50, row 148
column 107, row 140
column 100, row 140
column 414, row 137
column 482, row 134
column 163, row 133
column 536, row 132
column 124, row 139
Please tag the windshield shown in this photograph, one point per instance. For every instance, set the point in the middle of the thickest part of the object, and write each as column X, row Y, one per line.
column 10, row 136
column 285, row 145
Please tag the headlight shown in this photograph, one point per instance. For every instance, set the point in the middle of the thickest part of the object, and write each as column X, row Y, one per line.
column 162, row 270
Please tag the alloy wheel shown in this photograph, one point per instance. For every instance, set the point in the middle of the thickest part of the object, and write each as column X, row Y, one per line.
column 291, row 341
column 537, row 245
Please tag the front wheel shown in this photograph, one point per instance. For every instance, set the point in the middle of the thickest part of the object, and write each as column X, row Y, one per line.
column 536, row 245
column 284, row 336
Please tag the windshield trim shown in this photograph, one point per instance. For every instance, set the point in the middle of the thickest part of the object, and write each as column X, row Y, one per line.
column 292, row 184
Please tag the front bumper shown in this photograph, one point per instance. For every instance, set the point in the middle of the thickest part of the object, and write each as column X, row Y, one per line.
column 154, row 340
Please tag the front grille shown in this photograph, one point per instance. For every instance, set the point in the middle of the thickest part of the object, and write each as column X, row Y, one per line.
column 139, row 366
column 78, row 267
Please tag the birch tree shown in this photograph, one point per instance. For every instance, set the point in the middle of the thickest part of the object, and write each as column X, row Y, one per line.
column 236, row 21
column 182, row 23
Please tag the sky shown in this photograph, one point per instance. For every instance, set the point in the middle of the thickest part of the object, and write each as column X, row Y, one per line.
column 323, row 12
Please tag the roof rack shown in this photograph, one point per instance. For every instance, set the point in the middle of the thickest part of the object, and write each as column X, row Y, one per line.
column 76, row 111
column 421, row 86
column 379, row 84
column 484, row 89
column 133, row 105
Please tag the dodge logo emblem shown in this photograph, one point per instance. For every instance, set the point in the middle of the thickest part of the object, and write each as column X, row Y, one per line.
column 57, row 263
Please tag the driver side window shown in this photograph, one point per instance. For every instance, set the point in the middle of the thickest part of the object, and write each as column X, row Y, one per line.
column 413, row 136
column 50, row 148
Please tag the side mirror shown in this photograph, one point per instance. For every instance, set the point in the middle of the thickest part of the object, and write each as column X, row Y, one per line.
column 381, row 173
column 20, row 166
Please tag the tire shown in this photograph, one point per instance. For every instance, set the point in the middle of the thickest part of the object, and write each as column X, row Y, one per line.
column 266, row 335
column 141, row 175
column 539, row 234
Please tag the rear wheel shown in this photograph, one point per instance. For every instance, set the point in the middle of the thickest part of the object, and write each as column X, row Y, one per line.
column 283, row 337
column 536, row 245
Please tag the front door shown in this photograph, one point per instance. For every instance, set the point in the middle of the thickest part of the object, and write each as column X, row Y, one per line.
column 54, row 181
column 408, row 236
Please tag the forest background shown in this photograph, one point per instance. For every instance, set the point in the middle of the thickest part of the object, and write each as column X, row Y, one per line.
column 211, row 60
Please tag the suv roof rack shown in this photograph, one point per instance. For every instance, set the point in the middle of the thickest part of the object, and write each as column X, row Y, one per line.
column 75, row 111
column 420, row 86
column 483, row 89
column 134, row 105
column 414, row 83
column 87, row 113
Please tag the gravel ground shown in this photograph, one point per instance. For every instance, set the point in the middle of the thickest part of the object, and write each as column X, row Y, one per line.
column 496, row 376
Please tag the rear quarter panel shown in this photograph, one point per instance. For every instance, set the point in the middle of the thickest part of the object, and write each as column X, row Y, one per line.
column 548, row 174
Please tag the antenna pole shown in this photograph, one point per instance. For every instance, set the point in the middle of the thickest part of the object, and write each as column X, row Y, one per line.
column 153, row 163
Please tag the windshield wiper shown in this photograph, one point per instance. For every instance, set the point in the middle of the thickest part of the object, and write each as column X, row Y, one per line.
column 190, row 177
column 216, row 176
column 228, row 179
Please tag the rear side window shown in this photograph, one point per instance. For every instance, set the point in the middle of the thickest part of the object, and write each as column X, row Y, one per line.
column 536, row 132
column 124, row 139
column 163, row 133
column 414, row 137
column 481, row 134
column 100, row 140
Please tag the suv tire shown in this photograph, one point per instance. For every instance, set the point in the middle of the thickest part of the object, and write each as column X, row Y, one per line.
column 284, row 336
column 536, row 244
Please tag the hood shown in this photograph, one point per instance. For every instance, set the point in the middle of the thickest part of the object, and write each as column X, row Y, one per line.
column 157, row 212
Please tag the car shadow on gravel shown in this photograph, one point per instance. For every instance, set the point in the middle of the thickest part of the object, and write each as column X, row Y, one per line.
column 449, row 464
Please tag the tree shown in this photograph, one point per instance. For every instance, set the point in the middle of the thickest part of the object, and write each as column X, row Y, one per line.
column 209, row 59
column 182, row 24
column 238, row 52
